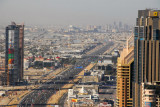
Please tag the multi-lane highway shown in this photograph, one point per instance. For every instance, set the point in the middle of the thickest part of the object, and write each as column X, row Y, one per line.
column 39, row 97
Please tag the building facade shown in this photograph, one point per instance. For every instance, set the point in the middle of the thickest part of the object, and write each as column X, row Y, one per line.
column 125, row 67
column 146, row 52
column 83, row 96
column 151, row 94
column 148, row 96
column 14, row 53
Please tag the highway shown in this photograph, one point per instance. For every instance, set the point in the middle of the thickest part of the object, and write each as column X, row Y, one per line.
column 39, row 97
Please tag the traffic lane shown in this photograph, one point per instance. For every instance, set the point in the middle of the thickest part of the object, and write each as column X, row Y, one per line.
column 84, row 62
column 35, row 98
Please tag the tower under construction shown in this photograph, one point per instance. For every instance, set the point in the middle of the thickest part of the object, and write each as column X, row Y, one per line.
column 14, row 53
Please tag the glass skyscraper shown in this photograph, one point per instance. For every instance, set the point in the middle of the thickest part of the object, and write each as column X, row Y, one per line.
column 146, row 52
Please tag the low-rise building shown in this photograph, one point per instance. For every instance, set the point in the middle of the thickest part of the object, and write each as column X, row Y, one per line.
column 83, row 95
column 151, row 94
column 92, row 76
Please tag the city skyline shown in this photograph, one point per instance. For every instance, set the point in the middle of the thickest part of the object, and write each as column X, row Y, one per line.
column 72, row 12
column 80, row 53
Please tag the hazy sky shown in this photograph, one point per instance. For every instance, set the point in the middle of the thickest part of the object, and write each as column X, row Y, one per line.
column 81, row 12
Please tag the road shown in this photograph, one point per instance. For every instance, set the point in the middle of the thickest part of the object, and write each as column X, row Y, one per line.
column 39, row 97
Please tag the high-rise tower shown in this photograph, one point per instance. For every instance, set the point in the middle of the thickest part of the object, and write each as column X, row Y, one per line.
column 146, row 52
column 14, row 53
column 125, row 68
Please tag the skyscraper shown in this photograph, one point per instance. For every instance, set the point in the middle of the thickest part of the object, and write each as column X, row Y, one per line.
column 146, row 52
column 14, row 53
column 125, row 67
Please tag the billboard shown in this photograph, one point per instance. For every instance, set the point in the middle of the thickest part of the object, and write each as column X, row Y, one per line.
column 155, row 13
column 148, row 104
column 11, row 50
column 74, row 100
column 11, row 39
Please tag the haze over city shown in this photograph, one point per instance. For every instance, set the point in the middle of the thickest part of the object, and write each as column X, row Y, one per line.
column 80, row 53
column 76, row 12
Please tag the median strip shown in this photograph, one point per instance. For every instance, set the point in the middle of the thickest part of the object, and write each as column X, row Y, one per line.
column 54, row 99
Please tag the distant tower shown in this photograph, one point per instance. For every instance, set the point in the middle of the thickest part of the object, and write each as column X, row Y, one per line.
column 14, row 53
column 120, row 25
